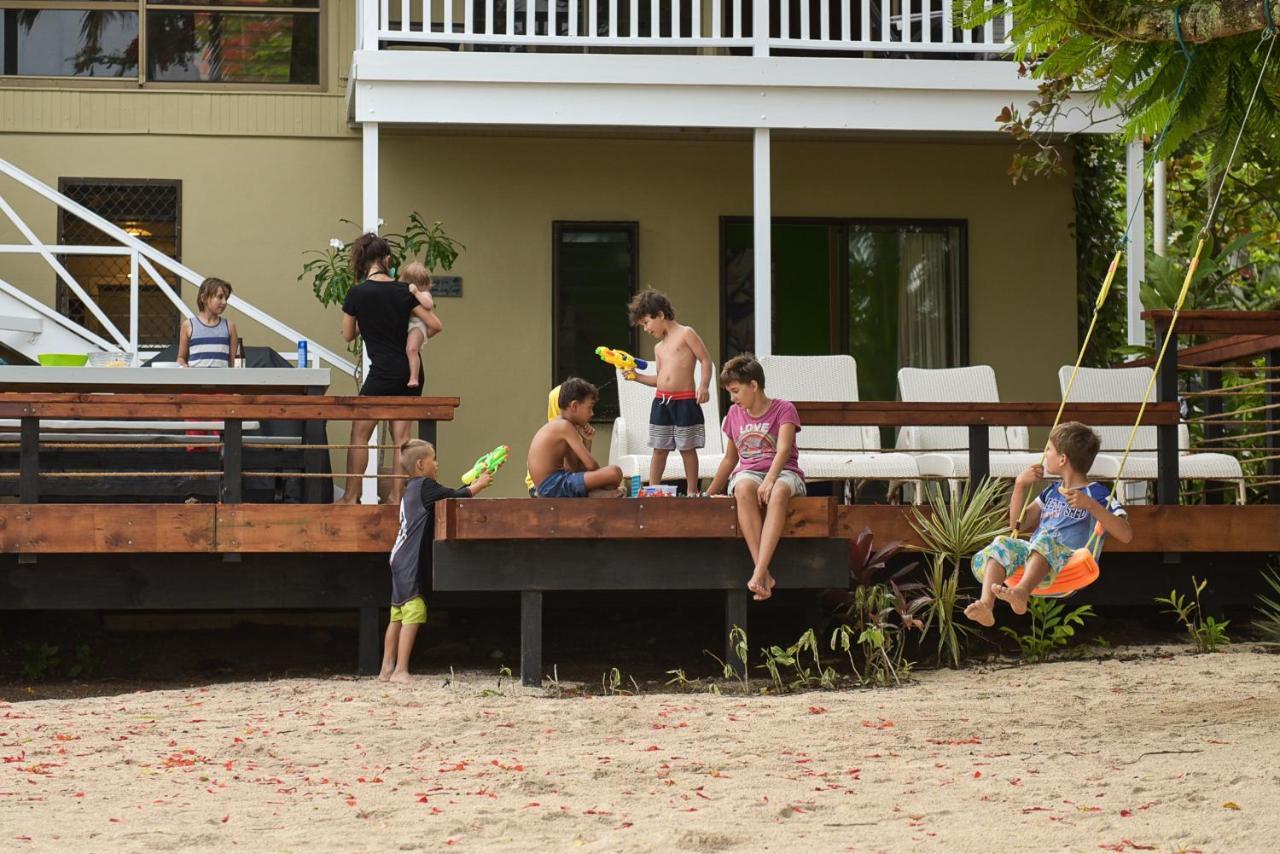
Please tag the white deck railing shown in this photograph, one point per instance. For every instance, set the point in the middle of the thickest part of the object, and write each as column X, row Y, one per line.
column 889, row 27
column 143, row 259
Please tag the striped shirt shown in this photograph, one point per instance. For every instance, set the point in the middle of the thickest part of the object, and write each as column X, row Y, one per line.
column 209, row 346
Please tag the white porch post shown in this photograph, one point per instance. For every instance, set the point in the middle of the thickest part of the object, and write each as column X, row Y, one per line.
column 762, row 217
column 1159, row 210
column 369, row 220
column 1136, row 216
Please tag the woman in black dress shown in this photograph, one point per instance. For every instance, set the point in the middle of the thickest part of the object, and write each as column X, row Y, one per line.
column 378, row 310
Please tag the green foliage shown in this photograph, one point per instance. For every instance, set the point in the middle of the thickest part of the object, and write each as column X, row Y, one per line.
column 1205, row 632
column 83, row 662
column 1268, row 622
column 40, row 660
column 738, row 638
column 612, row 683
column 776, row 658
column 875, row 623
column 956, row 530
column 952, row 533
column 1052, row 626
column 330, row 270
column 1074, row 45
column 1098, row 188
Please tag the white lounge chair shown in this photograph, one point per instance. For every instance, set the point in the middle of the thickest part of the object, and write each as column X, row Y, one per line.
column 1009, row 451
column 1128, row 385
column 844, row 452
column 629, row 447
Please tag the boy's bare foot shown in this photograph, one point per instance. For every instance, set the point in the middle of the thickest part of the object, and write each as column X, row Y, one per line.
column 413, row 382
column 401, row 677
column 1016, row 597
column 385, row 675
column 350, row 499
column 981, row 613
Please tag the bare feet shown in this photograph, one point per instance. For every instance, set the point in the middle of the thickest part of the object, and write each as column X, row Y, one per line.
column 413, row 382
column 1015, row 596
column 402, row 677
column 761, row 584
column 981, row 613
column 348, row 499
column 385, row 675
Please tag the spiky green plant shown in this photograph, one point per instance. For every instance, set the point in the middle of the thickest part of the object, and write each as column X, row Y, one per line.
column 1268, row 622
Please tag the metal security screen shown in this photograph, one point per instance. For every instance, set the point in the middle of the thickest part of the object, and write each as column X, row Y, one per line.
column 150, row 211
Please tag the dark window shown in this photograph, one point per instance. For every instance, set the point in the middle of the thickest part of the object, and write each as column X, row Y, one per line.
column 187, row 41
column 890, row 293
column 63, row 42
column 594, row 272
column 148, row 210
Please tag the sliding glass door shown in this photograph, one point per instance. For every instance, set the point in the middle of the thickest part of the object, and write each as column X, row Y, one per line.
column 891, row 293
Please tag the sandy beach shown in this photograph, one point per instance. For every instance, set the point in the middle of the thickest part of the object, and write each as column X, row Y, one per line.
column 1151, row 750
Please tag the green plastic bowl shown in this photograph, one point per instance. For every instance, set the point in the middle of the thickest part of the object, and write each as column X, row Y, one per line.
column 63, row 360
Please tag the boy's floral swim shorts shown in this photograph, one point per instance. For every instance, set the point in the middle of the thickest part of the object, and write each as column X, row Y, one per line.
column 1012, row 553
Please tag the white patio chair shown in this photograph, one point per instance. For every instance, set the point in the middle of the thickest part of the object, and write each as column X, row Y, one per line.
column 842, row 452
column 1009, row 451
column 629, row 446
column 1128, row 385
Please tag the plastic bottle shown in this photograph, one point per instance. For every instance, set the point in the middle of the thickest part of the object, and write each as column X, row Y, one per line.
column 302, row 354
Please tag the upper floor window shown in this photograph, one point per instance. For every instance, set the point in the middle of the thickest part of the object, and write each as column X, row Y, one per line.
column 163, row 41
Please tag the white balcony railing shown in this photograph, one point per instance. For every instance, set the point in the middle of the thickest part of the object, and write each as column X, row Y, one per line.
column 876, row 27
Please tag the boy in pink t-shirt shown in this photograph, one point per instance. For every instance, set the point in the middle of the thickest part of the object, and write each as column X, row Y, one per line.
column 760, row 464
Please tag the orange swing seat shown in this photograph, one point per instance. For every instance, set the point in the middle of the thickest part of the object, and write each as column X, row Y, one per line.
column 1081, row 571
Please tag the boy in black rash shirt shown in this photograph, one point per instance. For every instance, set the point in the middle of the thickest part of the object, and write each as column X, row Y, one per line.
column 411, row 555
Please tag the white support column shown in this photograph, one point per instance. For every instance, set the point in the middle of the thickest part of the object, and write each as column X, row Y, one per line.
column 1136, row 216
column 762, row 219
column 134, row 302
column 370, row 222
column 1159, row 210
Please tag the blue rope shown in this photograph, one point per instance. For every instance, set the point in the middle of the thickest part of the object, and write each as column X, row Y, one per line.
column 1177, row 28
column 1271, row 24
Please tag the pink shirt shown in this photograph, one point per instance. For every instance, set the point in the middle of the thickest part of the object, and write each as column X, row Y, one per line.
column 757, row 438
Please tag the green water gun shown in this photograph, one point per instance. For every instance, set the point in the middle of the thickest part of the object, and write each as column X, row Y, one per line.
column 489, row 463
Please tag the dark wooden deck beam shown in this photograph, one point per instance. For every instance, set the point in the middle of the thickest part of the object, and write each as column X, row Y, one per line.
column 256, row 407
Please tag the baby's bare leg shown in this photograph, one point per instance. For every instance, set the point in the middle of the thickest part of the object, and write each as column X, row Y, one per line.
column 389, row 645
column 411, row 349
column 407, row 636
column 1018, row 595
column 692, row 482
column 657, row 465
column 982, row 611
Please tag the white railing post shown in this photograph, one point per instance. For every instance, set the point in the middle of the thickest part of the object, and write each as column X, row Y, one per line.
column 1159, row 209
column 760, row 33
column 370, row 222
column 134, row 305
column 762, row 220
column 1136, row 216
column 369, row 24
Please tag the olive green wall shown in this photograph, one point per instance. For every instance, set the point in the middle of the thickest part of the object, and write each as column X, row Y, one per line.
column 252, row 205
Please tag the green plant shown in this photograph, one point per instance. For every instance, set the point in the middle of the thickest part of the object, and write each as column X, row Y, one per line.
column 84, row 663
column 39, row 660
column 1205, row 632
column 742, row 652
column 330, row 270
column 1269, row 609
column 951, row 534
column 1052, row 626
column 612, row 681
column 775, row 658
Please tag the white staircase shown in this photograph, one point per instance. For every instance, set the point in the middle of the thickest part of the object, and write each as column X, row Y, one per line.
column 30, row 328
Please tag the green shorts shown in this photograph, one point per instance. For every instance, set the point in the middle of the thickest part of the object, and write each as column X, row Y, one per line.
column 413, row 612
column 1012, row 553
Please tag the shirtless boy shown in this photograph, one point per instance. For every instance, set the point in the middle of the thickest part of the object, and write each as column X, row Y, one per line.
column 560, row 461
column 675, row 419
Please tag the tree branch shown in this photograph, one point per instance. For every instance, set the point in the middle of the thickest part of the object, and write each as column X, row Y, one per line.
column 1201, row 22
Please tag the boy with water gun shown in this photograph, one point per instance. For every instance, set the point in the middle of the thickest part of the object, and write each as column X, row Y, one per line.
column 411, row 555
column 675, row 419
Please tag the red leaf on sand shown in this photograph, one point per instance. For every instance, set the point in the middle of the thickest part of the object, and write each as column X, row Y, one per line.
column 423, row 799
column 651, row 748
column 817, row 710
column 227, row 765
column 226, row 818
column 66, row 736
column 351, row 802
column 880, row 724
column 114, row 820
column 532, row 804
column 1125, row 813
column 977, row 774
column 79, row 794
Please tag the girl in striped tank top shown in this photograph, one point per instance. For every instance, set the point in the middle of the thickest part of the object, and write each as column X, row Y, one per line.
column 206, row 339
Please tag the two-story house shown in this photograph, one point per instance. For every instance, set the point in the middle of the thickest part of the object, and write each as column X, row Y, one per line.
column 581, row 150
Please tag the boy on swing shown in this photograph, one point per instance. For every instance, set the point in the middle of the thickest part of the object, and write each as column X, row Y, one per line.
column 1062, row 517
